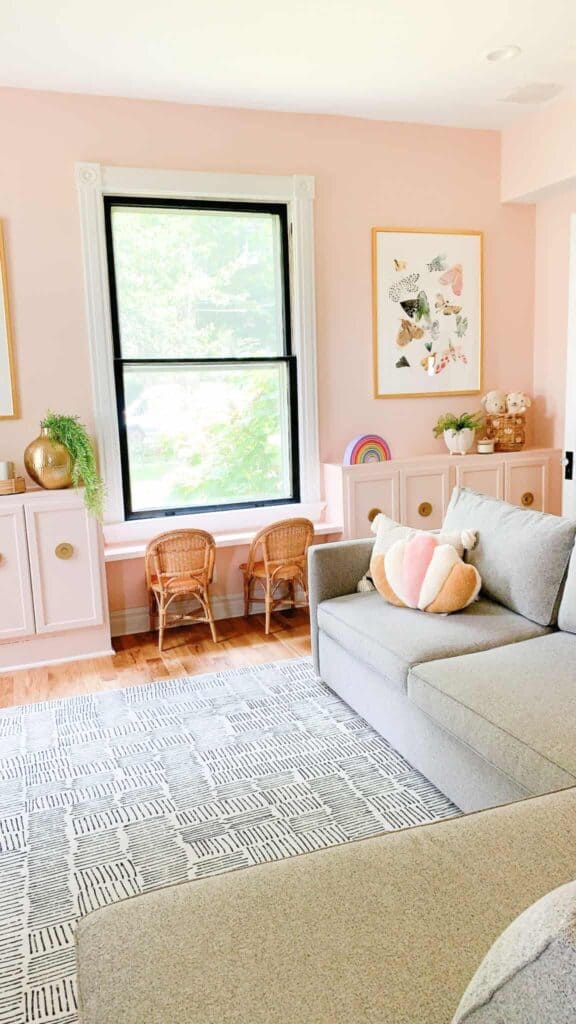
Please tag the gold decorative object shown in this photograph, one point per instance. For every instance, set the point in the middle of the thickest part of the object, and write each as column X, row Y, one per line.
column 425, row 509
column 17, row 485
column 48, row 462
column 527, row 499
column 64, row 551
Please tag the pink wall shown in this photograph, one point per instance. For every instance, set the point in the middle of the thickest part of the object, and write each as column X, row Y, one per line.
column 552, row 252
column 367, row 173
column 539, row 151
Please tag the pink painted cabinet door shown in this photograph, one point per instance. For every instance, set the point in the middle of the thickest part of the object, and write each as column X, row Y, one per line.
column 425, row 495
column 64, row 565
column 16, row 609
column 369, row 493
column 527, row 484
column 487, row 479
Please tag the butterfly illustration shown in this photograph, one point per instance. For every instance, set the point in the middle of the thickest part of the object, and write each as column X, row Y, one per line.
column 445, row 307
column 402, row 264
column 408, row 332
column 452, row 354
column 418, row 308
column 406, row 284
column 402, row 362
column 429, row 364
column 437, row 264
column 461, row 326
column 454, row 277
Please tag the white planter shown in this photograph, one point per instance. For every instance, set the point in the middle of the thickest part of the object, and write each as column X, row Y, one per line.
column 459, row 442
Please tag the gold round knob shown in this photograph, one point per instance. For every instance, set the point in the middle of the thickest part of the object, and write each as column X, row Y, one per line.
column 527, row 499
column 373, row 513
column 424, row 509
column 64, row 551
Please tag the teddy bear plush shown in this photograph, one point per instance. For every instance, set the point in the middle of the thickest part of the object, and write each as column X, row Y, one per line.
column 494, row 402
column 517, row 402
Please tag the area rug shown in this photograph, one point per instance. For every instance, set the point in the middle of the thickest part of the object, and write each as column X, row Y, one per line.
column 106, row 796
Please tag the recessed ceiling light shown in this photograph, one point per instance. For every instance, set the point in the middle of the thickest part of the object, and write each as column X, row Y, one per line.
column 503, row 53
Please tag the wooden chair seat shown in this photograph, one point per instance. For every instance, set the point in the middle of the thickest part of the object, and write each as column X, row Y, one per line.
column 176, row 584
column 277, row 556
column 283, row 572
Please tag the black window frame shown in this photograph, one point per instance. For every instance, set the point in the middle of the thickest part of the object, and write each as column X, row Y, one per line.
column 288, row 358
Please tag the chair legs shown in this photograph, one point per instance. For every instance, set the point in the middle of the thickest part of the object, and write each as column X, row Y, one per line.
column 161, row 613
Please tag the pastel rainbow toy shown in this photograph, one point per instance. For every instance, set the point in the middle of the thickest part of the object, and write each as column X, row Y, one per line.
column 366, row 448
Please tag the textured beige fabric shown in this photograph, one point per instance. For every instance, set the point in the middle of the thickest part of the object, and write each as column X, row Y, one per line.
column 516, row 706
column 383, row 931
column 567, row 610
column 529, row 974
column 392, row 640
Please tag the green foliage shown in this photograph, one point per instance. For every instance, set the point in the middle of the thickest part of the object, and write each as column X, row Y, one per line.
column 70, row 432
column 466, row 421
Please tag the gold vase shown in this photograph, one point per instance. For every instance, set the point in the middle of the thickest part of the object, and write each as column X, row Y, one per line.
column 48, row 462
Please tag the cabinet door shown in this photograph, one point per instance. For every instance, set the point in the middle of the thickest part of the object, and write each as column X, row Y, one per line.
column 16, row 609
column 65, row 568
column 527, row 483
column 425, row 494
column 487, row 479
column 365, row 491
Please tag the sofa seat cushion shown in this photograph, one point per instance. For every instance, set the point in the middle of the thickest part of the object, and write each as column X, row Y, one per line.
column 382, row 931
column 516, row 706
column 391, row 640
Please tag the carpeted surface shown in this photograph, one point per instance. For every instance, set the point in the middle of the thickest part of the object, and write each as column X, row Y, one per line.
column 106, row 796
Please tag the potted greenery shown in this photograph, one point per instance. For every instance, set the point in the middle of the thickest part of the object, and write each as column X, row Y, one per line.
column 72, row 434
column 458, row 431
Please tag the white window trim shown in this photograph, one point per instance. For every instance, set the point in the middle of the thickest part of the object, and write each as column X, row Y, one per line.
column 95, row 181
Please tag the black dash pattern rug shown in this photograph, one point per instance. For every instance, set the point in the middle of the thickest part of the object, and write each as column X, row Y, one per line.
column 106, row 796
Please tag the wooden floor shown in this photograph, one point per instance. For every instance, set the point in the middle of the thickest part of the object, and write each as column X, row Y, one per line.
column 188, row 651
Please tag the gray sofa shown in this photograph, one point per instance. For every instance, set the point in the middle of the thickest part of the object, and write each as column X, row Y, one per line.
column 482, row 702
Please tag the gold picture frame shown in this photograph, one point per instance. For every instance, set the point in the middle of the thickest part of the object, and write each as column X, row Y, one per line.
column 436, row 336
column 8, row 395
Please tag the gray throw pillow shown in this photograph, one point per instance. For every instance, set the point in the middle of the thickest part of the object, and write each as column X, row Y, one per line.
column 521, row 555
column 529, row 974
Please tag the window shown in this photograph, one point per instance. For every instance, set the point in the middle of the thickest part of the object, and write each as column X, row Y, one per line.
column 205, row 375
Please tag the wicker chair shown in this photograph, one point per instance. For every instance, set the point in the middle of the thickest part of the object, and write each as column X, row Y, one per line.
column 179, row 564
column 284, row 547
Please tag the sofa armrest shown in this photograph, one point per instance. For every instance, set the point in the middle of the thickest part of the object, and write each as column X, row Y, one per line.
column 334, row 570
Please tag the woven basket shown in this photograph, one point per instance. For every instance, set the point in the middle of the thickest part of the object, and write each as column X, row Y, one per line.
column 507, row 430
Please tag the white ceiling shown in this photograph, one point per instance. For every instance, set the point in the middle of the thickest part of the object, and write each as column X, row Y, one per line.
column 414, row 60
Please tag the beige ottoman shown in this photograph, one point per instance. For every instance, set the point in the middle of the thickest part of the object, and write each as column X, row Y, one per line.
column 382, row 931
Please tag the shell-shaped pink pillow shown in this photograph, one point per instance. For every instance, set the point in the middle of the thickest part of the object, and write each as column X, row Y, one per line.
column 423, row 572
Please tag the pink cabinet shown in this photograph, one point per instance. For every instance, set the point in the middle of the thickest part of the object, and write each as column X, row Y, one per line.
column 52, row 586
column 16, row 610
column 527, row 484
column 425, row 496
column 417, row 491
column 64, row 567
column 488, row 478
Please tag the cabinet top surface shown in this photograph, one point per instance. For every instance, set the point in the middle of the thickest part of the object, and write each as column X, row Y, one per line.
column 417, row 460
column 66, row 496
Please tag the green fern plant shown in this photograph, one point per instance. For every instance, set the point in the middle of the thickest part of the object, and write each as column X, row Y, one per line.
column 466, row 421
column 70, row 432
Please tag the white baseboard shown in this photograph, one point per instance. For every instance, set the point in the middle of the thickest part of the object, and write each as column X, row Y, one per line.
column 137, row 620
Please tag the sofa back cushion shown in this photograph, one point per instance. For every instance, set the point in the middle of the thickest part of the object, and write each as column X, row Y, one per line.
column 567, row 610
column 522, row 556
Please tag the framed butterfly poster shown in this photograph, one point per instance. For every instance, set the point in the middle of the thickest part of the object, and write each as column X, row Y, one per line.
column 427, row 312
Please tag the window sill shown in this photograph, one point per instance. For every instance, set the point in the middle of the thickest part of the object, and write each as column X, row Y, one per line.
column 118, row 552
